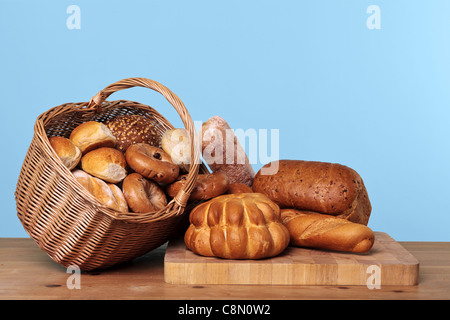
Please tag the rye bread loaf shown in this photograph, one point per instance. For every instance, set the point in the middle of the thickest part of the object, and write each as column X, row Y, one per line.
column 322, row 187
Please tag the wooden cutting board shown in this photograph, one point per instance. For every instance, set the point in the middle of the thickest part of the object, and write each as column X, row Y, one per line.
column 387, row 263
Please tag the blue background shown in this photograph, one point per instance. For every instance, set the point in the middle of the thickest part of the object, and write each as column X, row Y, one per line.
column 374, row 100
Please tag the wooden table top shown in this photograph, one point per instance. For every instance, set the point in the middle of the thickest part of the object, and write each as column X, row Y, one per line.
column 27, row 273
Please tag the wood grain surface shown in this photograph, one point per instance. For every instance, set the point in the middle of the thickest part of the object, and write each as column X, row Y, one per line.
column 387, row 263
column 27, row 273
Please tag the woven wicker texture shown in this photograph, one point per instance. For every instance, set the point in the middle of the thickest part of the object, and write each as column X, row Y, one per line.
column 64, row 219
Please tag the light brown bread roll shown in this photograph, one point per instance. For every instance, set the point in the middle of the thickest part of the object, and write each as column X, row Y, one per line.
column 69, row 153
column 105, row 163
column 108, row 194
column 315, row 230
column 237, row 226
column 223, row 152
column 176, row 142
column 121, row 203
column 322, row 187
column 91, row 135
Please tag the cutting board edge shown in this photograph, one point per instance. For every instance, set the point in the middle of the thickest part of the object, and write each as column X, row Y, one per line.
column 177, row 272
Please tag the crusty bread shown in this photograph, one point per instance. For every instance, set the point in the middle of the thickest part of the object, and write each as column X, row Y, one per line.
column 143, row 195
column 152, row 162
column 237, row 226
column 69, row 153
column 239, row 188
column 108, row 164
column 106, row 193
column 129, row 129
column 91, row 135
column 207, row 186
column 217, row 137
column 322, row 187
column 321, row 231
column 121, row 203
column 176, row 143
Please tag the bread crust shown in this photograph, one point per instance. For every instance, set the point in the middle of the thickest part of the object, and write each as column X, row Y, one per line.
column 91, row 135
column 143, row 195
column 151, row 162
column 217, row 136
column 129, row 129
column 105, row 163
column 206, row 186
column 315, row 230
column 108, row 194
column 237, row 226
column 323, row 187
column 66, row 150
column 239, row 188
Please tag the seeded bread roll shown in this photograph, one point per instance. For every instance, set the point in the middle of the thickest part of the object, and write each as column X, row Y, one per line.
column 321, row 187
column 129, row 129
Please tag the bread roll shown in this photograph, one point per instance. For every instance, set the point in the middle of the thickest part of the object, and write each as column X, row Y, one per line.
column 237, row 226
column 321, row 231
column 176, row 142
column 129, row 129
column 121, row 203
column 152, row 162
column 321, row 187
column 239, row 188
column 69, row 153
column 143, row 195
column 92, row 135
column 108, row 194
column 223, row 152
column 207, row 186
column 105, row 163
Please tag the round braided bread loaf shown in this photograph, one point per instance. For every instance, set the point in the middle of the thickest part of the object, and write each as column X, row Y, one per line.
column 237, row 226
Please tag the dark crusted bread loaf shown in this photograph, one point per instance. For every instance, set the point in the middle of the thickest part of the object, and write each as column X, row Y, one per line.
column 321, row 187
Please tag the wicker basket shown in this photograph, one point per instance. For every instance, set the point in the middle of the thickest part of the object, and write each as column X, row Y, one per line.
column 65, row 220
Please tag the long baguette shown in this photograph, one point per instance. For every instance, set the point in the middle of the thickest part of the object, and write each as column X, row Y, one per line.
column 321, row 231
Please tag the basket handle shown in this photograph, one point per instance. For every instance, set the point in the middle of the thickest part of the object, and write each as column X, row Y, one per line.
column 183, row 195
